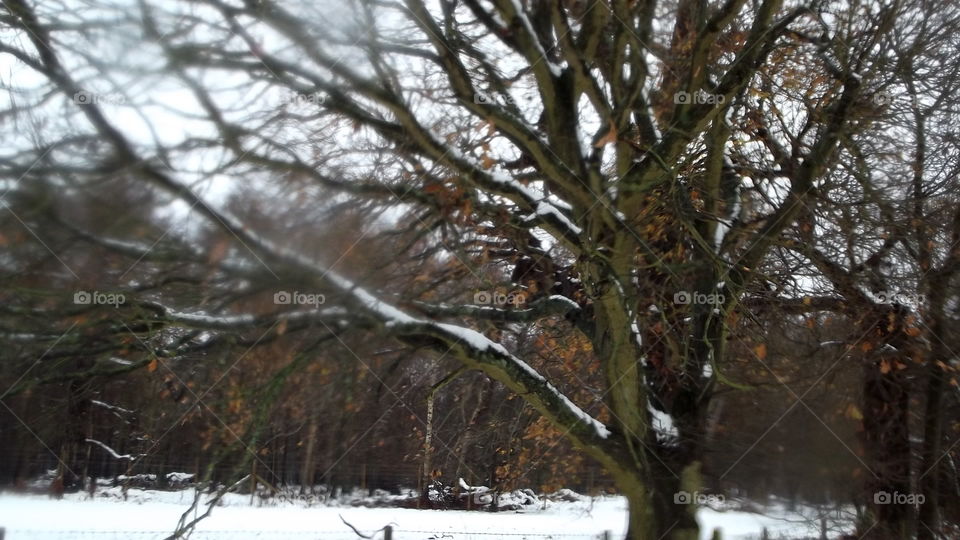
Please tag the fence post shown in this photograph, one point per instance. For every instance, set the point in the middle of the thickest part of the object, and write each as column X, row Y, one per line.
column 607, row 535
column 387, row 533
column 3, row 531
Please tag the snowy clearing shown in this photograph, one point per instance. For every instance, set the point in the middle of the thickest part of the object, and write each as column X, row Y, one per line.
column 153, row 514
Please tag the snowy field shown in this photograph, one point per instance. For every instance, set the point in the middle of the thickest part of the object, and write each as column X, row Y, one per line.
column 148, row 515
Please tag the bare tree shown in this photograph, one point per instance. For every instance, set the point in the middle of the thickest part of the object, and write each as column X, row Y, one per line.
column 624, row 168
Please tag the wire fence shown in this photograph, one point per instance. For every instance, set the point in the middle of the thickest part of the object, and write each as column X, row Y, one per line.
column 387, row 533
column 400, row 534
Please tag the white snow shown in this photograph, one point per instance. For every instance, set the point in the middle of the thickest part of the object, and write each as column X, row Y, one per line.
column 120, row 361
column 477, row 341
column 482, row 343
column 503, row 178
column 662, row 424
column 29, row 517
column 544, row 209
column 719, row 233
column 561, row 298
column 559, row 203
column 652, row 116
column 180, row 477
column 598, row 426
column 723, row 226
column 385, row 310
column 555, row 70
column 543, row 205
column 635, row 328
column 149, row 515
column 207, row 319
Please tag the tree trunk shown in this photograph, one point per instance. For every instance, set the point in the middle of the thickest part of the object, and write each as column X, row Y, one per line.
column 929, row 480
column 887, row 445
column 932, row 451
column 885, row 437
column 480, row 412
column 641, row 524
column 308, row 472
column 675, row 503
column 663, row 512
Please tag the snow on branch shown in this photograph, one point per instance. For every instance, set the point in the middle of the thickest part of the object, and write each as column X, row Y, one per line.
column 544, row 307
column 543, row 209
column 540, row 56
column 662, row 424
column 489, row 356
column 113, row 452
column 111, row 408
column 478, row 351
column 520, row 374
column 547, row 209
column 332, row 315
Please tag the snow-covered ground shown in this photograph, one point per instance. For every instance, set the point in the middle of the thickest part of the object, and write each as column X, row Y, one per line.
column 153, row 514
